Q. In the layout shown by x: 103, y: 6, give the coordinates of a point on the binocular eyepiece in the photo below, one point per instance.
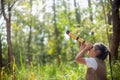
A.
x: 67, y: 32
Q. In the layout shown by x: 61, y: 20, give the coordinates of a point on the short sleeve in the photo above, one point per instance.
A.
x: 91, y: 63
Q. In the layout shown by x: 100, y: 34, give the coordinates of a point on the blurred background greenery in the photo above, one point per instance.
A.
x: 41, y: 48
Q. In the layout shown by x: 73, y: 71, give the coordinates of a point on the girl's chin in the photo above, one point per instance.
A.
x: 89, y: 55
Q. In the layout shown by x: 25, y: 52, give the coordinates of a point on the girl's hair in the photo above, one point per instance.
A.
x: 103, y: 55
x: 103, y: 49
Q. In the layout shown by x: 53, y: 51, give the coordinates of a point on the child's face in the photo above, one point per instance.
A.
x: 93, y: 52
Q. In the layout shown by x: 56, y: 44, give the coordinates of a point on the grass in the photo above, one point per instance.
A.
x: 46, y: 72
x: 68, y: 71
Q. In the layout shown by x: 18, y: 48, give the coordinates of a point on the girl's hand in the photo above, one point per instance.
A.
x: 86, y: 46
x: 83, y: 45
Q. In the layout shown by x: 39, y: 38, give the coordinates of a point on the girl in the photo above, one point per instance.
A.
x: 96, y: 69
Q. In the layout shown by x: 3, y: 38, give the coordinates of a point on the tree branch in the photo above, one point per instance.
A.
x: 3, y: 10
x: 13, y: 4
x: 111, y: 2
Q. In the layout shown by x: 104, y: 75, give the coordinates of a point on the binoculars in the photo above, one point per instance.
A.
x: 73, y: 36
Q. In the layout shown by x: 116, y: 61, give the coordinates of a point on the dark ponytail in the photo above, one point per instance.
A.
x: 110, y: 65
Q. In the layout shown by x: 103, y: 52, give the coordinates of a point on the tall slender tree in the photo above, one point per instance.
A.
x: 104, y: 12
x: 56, y: 32
x: 91, y: 17
x: 0, y: 52
x: 8, y: 30
x: 30, y: 35
x: 109, y: 14
x: 77, y: 12
x: 90, y: 10
x: 116, y: 29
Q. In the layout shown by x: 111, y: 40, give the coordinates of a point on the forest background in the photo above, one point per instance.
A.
x: 34, y: 44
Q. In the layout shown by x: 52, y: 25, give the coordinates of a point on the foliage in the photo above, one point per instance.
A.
x: 34, y: 19
x: 69, y: 71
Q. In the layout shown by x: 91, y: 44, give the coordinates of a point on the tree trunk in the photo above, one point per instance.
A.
x: 8, y: 29
x: 77, y: 13
x: 90, y: 10
x: 29, y: 44
x: 56, y: 33
x: 103, y: 7
x: 116, y: 29
x: 0, y: 53
x: 29, y: 55
x: 109, y: 21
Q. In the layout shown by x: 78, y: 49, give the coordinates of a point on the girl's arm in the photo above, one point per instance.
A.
x: 80, y: 56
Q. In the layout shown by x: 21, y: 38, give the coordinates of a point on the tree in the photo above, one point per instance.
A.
x: 90, y: 10
x: 104, y: 12
x: 30, y: 35
x: 116, y: 29
x: 109, y: 14
x: 56, y: 32
x: 77, y: 12
x: 0, y: 43
x: 0, y: 52
x: 8, y: 30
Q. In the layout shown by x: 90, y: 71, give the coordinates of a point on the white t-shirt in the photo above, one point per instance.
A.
x: 91, y: 63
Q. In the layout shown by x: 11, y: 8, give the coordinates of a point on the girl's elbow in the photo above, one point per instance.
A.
x: 80, y: 60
